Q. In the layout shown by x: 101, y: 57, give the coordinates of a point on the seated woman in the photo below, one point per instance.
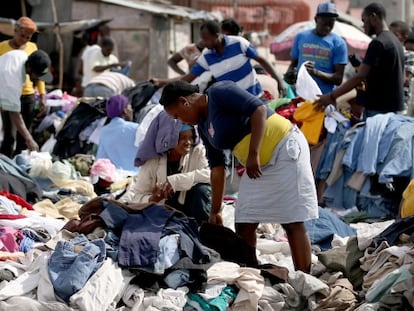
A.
x: 119, y: 129
x: 180, y: 178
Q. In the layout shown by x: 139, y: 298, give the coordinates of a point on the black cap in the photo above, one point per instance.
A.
x: 174, y: 90
x: 39, y: 63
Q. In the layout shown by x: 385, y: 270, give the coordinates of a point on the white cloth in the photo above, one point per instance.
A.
x: 35, y: 277
x: 12, y: 78
x: 101, y: 289
x: 248, y: 280
x: 166, y: 299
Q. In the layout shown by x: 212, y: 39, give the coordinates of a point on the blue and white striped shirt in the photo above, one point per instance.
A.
x: 234, y: 64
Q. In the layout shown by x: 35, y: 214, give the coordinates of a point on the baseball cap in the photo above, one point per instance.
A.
x: 39, y: 62
x: 327, y: 9
x: 26, y: 22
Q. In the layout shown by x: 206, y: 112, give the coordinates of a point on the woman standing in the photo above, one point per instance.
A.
x: 278, y: 185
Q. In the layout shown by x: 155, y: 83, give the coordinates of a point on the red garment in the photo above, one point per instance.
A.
x: 10, y: 239
x: 12, y: 217
x: 17, y: 199
x: 288, y: 110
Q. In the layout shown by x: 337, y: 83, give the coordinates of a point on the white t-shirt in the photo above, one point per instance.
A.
x: 86, y: 62
x: 96, y: 58
x: 12, y: 78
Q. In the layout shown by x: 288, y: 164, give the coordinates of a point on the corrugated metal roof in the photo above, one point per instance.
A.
x: 7, y: 25
x: 162, y: 8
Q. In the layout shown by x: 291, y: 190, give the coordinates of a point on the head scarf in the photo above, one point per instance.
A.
x: 115, y: 105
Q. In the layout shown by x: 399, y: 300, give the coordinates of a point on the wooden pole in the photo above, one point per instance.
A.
x: 23, y: 7
x: 59, y: 42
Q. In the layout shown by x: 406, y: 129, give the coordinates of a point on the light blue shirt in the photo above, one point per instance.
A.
x: 326, y: 52
x: 116, y: 143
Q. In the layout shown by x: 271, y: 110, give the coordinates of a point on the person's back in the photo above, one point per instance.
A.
x: 384, y: 87
x: 108, y: 83
x: 117, y: 138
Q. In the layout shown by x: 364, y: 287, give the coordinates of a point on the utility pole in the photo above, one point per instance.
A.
x: 235, y: 9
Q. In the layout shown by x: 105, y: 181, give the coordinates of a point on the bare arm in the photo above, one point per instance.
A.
x: 351, y: 83
x: 269, y: 69
x: 218, y: 179
x: 173, y: 63
x: 17, y: 120
x: 161, y: 82
x: 334, y: 78
x: 258, y: 119
x: 293, y: 64
x: 105, y: 67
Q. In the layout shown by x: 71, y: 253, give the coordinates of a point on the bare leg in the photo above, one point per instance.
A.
x: 299, y: 245
x: 247, y: 232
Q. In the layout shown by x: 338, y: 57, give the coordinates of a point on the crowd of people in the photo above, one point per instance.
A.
x: 218, y: 102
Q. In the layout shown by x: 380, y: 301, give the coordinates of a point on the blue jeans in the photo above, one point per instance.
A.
x: 97, y: 90
x: 73, y: 262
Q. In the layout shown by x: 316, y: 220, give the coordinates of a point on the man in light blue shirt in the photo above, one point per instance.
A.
x: 325, y: 51
x: 116, y: 141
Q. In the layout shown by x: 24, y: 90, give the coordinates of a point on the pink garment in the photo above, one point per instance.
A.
x: 10, y: 239
x: 104, y: 169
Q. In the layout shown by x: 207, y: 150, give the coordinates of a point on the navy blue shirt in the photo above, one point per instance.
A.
x: 228, y: 120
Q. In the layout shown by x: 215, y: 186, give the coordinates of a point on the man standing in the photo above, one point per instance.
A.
x: 324, y: 51
x: 228, y: 58
x: 382, y: 68
x: 14, y: 66
x: 23, y: 32
x: 401, y: 30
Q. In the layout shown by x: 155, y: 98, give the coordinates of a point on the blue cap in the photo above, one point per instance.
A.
x: 327, y: 9
x: 186, y: 127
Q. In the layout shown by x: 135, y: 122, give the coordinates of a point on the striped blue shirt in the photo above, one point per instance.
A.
x: 234, y: 64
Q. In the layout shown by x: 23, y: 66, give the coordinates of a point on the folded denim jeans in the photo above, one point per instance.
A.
x: 73, y: 262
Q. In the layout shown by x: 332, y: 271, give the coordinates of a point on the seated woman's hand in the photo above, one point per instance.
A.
x: 167, y: 190
x: 157, y: 193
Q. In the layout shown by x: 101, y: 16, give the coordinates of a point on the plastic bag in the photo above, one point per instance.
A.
x: 306, y: 86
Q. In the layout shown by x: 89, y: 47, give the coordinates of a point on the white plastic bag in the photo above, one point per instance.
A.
x: 306, y: 87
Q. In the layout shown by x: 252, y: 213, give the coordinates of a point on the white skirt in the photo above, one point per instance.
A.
x: 286, y: 191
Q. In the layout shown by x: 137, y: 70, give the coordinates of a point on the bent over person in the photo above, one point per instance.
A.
x: 14, y: 66
x: 277, y: 185
x: 23, y: 32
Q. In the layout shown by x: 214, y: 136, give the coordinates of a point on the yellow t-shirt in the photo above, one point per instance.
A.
x: 312, y: 121
x: 407, y: 208
x: 28, y: 85
x: 276, y: 128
